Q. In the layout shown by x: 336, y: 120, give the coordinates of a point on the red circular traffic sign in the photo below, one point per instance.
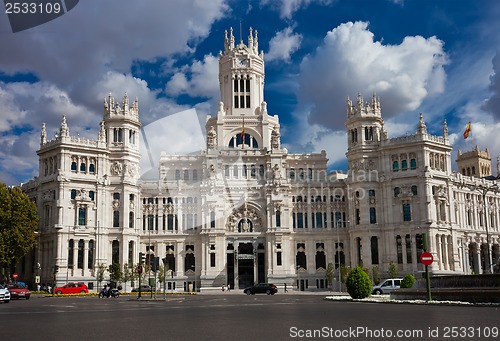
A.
x: 139, y: 269
x: 14, y: 276
x: 426, y: 258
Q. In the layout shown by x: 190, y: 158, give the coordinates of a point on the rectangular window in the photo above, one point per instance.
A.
x: 226, y: 171
x: 116, y: 218
x: 235, y: 82
x: 358, y: 217
x: 292, y: 173
x: 406, y: 212
x: 236, y: 104
x: 373, y: 215
x: 408, y: 249
x: 300, y: 220
x: 170, y: 222
x: 212, y: 260
x: 278, y: 259
x: 82, y: 216
x: 247, y: 101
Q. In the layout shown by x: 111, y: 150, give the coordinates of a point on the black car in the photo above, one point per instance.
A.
x: 261, y: 288
x: 144, y: 288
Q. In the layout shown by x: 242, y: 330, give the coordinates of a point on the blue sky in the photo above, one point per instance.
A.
x: 438, y: 57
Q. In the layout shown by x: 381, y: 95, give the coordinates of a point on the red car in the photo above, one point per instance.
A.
x: 17, y: 291
x: 72, y: 288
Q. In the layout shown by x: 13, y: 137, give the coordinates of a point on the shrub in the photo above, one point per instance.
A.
x: 358, y: 283
x: 408, y: 281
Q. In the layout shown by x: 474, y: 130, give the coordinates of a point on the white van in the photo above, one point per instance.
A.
x: 387, y: 286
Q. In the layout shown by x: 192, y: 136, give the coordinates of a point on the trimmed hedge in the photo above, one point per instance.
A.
x: 358, y: 283
x: 408, y: 281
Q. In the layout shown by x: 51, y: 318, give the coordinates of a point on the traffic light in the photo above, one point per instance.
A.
x: 142, y: 257
x: 419, y: 238
x: 56, y: 268
x: 154, y: 262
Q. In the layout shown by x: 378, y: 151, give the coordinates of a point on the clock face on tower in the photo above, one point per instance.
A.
x: 242, y: 62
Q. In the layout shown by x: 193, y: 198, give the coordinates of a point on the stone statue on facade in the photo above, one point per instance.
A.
x: 211, y: 138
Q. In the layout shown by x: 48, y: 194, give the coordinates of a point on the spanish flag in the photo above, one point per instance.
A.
x: 467, y: 131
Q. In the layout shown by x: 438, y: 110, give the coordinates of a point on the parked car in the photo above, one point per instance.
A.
x: 72, y: 288
x: 4, y: 294
x: 261, y: 288
x: 387, y: 286
x: 18, y: 291
x: 144, y: 288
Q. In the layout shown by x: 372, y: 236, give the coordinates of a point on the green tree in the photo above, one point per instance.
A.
x: 344, y: 272
x: 329, y: 275
x: 101, y: 269
x: 128, y: 274
x: 393, y: 270
x: 18, y: 223
x: 358, y: 283
x: 115, y: 273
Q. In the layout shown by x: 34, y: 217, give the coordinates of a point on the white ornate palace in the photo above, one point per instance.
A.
x: 244, y: 210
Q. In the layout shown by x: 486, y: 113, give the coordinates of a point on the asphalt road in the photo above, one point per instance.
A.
x: 240, y: 317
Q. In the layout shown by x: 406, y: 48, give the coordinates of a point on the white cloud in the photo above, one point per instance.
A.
x: 350, y: 61
x: 493, y: 103
x: 288, y: 7
x: 283, y: 45
x: 200, y: 79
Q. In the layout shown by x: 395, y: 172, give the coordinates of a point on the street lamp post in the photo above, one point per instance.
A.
x: 338, y: 263
x: 484, y: 190
x: 298, y: 277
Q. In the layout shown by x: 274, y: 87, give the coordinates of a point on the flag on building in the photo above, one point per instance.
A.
x: 467, y: 131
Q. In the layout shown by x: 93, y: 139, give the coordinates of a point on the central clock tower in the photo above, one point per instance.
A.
x: 242, y: 121
x: 241, y: 75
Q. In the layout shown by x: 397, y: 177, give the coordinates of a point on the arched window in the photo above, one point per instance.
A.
x: 115, y: 252
x: 301, y: 260
x: 404, y: 165
x: 320, y: 260
x: 90, y: 259
x: 81, y: 244
x: 245, y: 225
x: 396, y: 192
x: 413, y: 163
x: 71, y: 246
x: 374, y: 249
x: 131, y: 220
x: 395, y: 166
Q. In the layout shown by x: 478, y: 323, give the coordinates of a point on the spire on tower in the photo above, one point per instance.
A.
x: 64, y: 130
x: 43, y: 134
x: 231, y: 39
